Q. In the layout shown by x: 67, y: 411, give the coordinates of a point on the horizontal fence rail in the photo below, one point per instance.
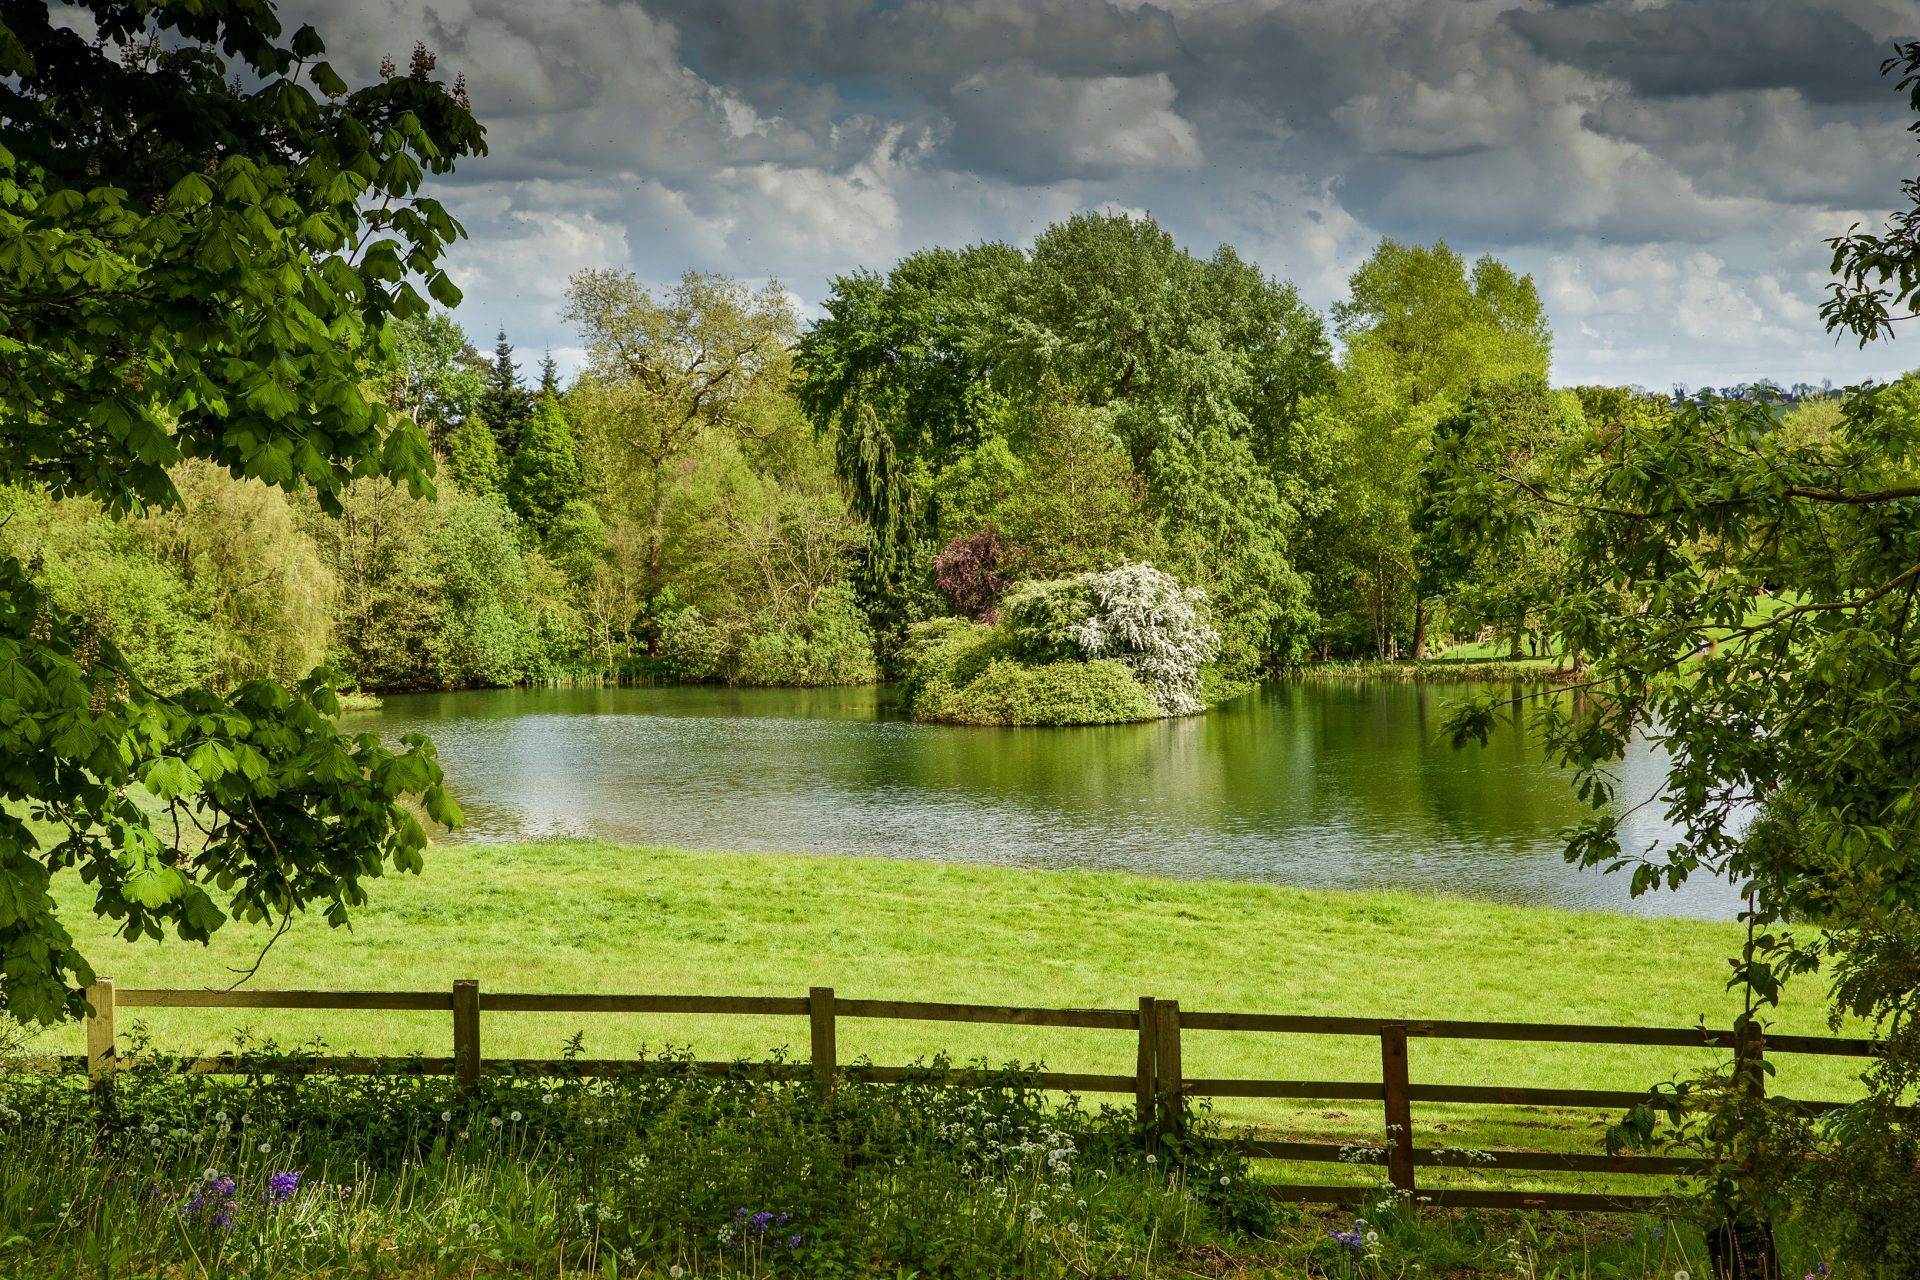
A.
x: 1158, y: 1083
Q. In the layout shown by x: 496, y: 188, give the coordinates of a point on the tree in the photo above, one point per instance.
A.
x: 199, y: 254
x: 549, y: 375
x: 1421, y: 330
x: 473, y: 458
x: 661, y: 372
x: 505, y: 404
x: 435, y: 376
x: 895, y: 376
x: 962, y: 369
x: 1745, y: 590
x: 545, y: 475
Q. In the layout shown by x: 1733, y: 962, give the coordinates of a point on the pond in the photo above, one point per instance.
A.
x: 1342, y: 785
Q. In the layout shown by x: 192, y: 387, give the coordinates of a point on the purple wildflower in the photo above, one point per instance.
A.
x: 281, y: 1187
x: 793, y: 1242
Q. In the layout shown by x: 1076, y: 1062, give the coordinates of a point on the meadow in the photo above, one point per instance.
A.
x: 576, y: 916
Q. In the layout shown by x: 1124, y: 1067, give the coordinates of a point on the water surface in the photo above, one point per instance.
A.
x: 1342, y: 785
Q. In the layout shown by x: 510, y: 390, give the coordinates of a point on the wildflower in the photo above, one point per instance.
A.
x: 1224, y: 1180
x: 265, y: 1147
x: 1153, y: 1159
x: 793, y: 1242
x: 1682, y: 1275
x: 675, y: 1271
x: 1373, y: 1239
x: 496, y: 1122
x: 153, y: 1128
x: 546, y: 1099
x: 446, y: 1117
x: 1036, y: 1213
x: 281, y: 1187
x: 220, y: 1117
x: 515, y: 1117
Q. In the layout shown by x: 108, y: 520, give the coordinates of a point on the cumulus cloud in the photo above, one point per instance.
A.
x: 1700, y: 148
x: 1035, y: 126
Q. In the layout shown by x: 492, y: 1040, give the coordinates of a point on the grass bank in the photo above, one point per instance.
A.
x: 581, y: 916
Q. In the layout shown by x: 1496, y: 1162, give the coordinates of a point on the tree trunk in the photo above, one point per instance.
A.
x: 1419, y: 628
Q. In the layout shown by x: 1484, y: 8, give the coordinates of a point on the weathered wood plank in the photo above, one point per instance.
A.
x: 590, y: 1002
x: 1566, y: 1201
x: 1331, y: 1090
x: 1527, y: 1096
x: 1065, y: 1081
x: 1397, y: 1106
x: 152, y: 998
x: 466, y: 1032
x: 1013, y: 1015
x: 824, y: 1041
x: 101, y: 1051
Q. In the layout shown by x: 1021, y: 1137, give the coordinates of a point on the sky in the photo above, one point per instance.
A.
x: 1665, y: 169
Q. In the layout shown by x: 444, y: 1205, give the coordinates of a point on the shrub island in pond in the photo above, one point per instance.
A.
x: 1120, y: 644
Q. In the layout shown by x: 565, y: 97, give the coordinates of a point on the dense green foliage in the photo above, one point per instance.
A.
x: 667, y: 1169
x: 678, y: 1174
x: 1121, y: 644
x: 1742, y: 582
x: 198, y: 255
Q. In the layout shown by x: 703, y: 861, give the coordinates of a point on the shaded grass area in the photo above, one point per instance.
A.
x: 584, y: 916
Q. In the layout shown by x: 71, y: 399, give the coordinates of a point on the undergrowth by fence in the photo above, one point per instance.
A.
x: 1158, y: 1084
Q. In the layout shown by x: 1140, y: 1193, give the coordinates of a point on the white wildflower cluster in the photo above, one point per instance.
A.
x: 1157, y: 627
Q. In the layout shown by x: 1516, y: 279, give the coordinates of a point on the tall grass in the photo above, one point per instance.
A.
x: 674, y: 1173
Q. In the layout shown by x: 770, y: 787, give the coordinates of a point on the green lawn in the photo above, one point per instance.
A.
x: 578, y: 916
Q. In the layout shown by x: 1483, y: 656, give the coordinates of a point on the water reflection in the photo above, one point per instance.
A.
x: 1341, y: 785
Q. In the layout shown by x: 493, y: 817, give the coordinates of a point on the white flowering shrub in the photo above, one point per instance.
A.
x: 1157, y: 627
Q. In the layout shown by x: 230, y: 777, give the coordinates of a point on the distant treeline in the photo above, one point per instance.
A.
x: 724, y: 494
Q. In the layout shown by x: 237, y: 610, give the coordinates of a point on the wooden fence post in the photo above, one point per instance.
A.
x: 1399, y: 1107
x: 1143, y: 1066
x: 466, y: 1033
x: 1168, y: 1082
x: 825, y: 1043
x: 101, y: 1053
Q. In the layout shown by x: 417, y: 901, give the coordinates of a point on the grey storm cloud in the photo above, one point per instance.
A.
x: 1827, y: 52
x: 1666, y: 170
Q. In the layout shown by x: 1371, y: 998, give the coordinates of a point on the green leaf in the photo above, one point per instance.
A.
x: 191, y: 192
x: 170, y: 778
x: 155, y: 885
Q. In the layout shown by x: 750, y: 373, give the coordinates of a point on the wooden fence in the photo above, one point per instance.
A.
x: 1158, y: 1083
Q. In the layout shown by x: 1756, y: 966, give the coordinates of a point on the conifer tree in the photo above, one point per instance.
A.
x: 549, y: 375
x: 473, y: 458
x: 506, y: 406
x: 545, y: 475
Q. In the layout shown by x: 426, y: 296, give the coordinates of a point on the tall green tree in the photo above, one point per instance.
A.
x: 473, y: 458
x: 1746, y: 595
x: 664, y: 371
x: 1421, y: 330
x: 435, y: 377
x: 961, y: 358
x: 545, y: 475
x: 505, y: 404
x: 204, y: 235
